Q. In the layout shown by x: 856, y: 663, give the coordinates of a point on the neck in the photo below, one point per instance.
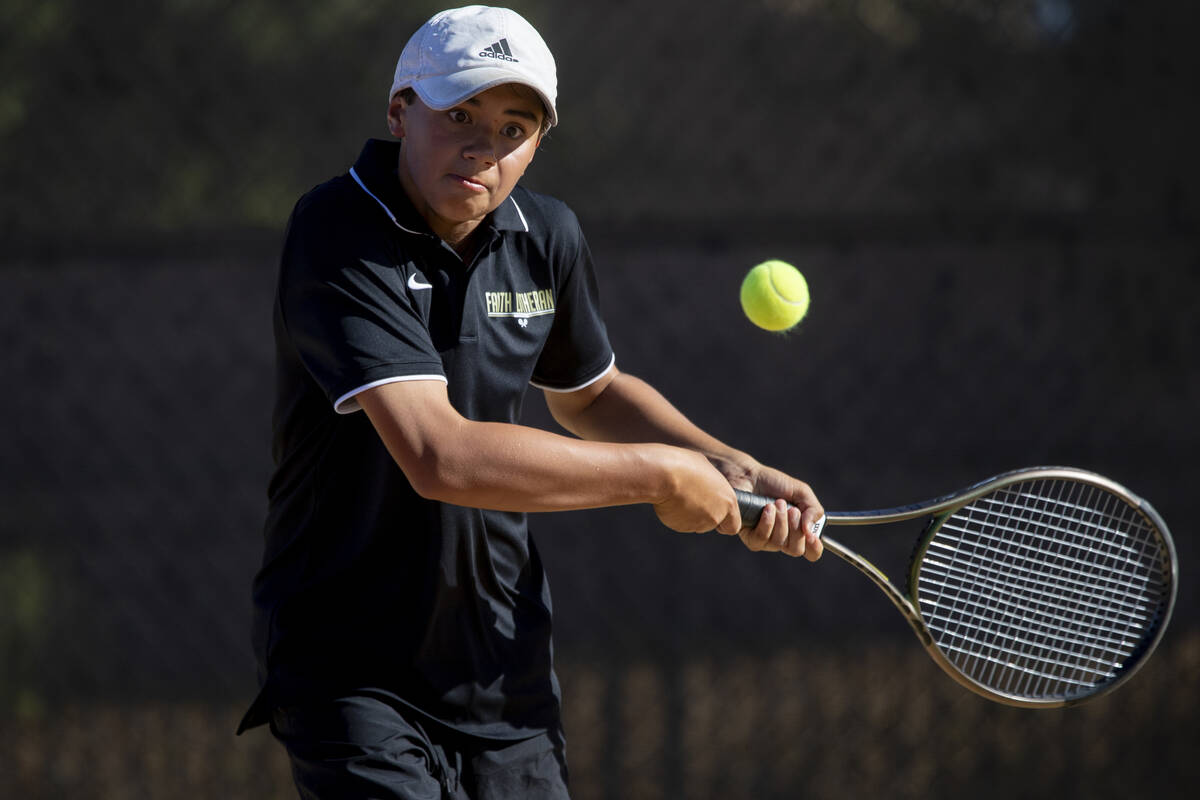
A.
x: 459, y: 235
x: 465, y: 245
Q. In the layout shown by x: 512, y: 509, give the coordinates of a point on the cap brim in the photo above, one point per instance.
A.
x: 443, y: 91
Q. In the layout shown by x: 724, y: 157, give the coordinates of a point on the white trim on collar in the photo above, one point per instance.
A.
x: 520, y: 213
x: 396, y: 222
x: 383, y: 205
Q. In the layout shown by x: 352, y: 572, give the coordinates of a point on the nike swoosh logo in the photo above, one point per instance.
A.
x: 413, y: 283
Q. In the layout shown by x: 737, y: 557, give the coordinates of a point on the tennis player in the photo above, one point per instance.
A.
x: 402, y: 616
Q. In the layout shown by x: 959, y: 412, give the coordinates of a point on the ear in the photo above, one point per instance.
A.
x: 396, y: 115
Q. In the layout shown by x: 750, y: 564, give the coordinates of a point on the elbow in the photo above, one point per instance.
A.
x: 438, y: 475
x: 428, y: 479
x: 424, y: 484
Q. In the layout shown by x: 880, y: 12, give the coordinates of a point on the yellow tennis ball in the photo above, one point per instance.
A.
x: 775, y: 295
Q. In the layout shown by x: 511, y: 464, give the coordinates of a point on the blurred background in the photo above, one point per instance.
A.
x: 996, y: 203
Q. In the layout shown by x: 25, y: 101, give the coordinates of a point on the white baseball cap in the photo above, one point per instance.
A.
x: 464, y: 51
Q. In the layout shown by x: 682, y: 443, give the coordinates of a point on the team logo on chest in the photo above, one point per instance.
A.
x: 521, y: 306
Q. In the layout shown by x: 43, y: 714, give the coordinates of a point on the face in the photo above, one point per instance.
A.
x: 459, y: 164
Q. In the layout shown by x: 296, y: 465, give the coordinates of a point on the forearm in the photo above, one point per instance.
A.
x: 627, y: 409
x: 516, y: 468
x: 630, y: 410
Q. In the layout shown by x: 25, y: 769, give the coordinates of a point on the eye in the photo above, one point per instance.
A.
x: 458, y: 115
x: 513, y: 131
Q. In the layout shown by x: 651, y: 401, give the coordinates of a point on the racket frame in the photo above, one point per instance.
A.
x: 939, y: 510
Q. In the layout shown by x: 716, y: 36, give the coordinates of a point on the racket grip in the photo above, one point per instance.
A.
x: 751, y: 507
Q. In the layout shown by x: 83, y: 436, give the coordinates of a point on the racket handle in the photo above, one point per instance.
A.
x: 752, y: 505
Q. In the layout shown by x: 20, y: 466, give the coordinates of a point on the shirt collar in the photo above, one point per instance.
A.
x: 375, y: 173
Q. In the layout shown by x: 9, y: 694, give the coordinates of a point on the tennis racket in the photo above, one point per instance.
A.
x: 1041, y: 587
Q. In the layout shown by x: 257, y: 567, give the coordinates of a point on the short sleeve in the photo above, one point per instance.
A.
x: 344, y: 306
x: 577, y: 351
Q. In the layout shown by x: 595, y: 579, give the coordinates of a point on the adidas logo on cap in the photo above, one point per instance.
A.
x: 499, y: 50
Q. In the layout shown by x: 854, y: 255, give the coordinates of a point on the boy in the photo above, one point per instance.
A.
x: 402, y: 617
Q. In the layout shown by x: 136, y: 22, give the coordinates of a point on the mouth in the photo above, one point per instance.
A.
x: 470, y: 184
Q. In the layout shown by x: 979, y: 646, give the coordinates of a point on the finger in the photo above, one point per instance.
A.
x: 796, y: 541
x: 777, y: 534
x: 759, y: 537
x: 814, y: 551
x: 778, y: 538
x: 812, y: 532
x: 732, y: 524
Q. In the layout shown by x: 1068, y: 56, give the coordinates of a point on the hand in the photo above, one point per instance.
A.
x: 696, y: 497
x: 786, y: 525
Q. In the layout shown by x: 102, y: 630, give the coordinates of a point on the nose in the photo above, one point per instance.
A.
x: 480, y: 147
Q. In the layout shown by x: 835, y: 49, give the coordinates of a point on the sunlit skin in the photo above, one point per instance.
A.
x: 458, y: 165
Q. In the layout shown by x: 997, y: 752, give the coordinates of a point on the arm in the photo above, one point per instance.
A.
x: 449, y: 458
x: 623, y: 408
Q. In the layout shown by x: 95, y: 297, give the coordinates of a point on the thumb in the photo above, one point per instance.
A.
x: 732, y: 524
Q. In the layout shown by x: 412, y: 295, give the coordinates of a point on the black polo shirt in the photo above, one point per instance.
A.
x: 365, y: 584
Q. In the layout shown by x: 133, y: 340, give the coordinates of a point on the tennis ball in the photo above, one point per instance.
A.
x: 775, y: 295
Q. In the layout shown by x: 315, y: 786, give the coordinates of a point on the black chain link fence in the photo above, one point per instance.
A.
x: 996, y: 205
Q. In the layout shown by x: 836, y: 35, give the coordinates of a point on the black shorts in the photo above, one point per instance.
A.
x: 364, y: 746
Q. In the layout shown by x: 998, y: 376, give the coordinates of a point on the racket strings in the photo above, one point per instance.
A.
x: 1048, y: 662
x: 1043, y: 589
x: 1072, y: 644
x: 1015, y: 614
